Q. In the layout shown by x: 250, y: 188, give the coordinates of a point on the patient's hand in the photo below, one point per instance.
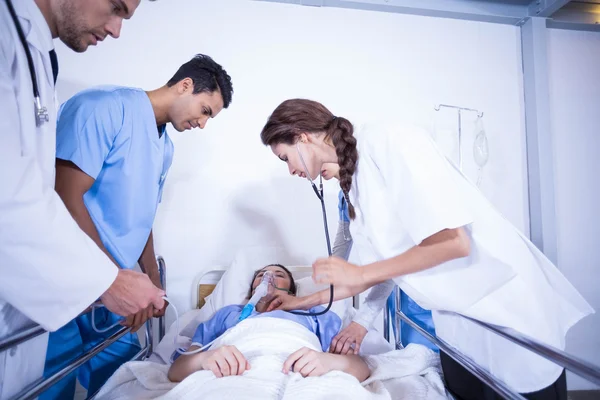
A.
x: 310, y: 363
x: 224, y: 361
x: 348, y: 341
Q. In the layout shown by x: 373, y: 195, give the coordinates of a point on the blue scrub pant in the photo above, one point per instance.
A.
x: 421, y: 316
x: 77, y: 337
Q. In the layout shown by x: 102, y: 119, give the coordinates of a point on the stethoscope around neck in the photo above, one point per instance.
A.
x: 319, y: 193
x: 41, y: 112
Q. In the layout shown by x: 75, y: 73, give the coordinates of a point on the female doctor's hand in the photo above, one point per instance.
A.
x: 337, y: 272
x: 348, y: 341
x: 283, y: 301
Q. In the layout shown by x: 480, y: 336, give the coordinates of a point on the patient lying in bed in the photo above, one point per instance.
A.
x: 228, y: 360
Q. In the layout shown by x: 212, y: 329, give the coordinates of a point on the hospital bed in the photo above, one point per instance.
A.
x: 205, y: 284
x: 28, y: 333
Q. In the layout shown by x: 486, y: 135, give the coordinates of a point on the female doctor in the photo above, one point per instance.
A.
x: 427, y: 228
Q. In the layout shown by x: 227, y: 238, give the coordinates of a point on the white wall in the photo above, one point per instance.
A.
x: 225, y: 190
x: 574, y: 74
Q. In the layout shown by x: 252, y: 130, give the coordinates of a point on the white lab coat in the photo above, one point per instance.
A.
x: 404, y: 190
x: 50, y: 271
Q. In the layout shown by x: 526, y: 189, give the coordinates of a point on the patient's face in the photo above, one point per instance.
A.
x: 282, y: 281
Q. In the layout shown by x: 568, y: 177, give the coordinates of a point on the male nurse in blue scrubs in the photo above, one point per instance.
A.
x: 113, y: 154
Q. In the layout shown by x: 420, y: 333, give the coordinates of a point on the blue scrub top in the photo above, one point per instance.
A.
x: 325, y: 326
x: 110, y: 133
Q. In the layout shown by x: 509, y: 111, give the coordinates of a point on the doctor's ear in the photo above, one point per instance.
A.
x: 303, y: 138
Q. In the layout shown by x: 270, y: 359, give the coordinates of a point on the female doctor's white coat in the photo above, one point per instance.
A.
x: 404, y: 190
x: 50, y: 271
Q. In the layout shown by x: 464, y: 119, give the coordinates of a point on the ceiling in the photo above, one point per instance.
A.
x: 578, y: 15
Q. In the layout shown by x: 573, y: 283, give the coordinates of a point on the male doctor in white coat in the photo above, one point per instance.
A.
x: 50, y: 270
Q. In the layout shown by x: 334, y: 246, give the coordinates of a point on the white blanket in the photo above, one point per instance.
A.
x: 412, y: 373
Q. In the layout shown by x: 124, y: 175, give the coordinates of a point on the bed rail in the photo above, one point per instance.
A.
x: 162, y: 270
x: 32, y: 331
x: 574, y: 364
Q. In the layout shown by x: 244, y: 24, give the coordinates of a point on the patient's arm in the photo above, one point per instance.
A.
x: 309, y: 362
x: 224, y: 361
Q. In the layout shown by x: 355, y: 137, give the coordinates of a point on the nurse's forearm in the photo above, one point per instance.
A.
x: 148, y: 262
x: 322, y: 297
x: 444, y: 246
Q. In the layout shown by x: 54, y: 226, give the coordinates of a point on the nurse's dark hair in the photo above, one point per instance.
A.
x: 296, y: 116
x: 293, y: 288
x: 207, y: 75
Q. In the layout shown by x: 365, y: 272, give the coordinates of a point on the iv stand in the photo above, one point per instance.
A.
x: 460, y: 110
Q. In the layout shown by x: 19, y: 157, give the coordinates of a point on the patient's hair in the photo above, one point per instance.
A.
x: 207, y: 75
x: 293, y: 288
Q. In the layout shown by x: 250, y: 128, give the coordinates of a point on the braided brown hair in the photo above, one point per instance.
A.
x: 296, y: 116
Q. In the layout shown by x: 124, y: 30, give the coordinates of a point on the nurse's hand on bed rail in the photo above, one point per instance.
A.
x: 159, y: 312
x: 137, y: 320
x: 348, y: 341
x: 131, y: 292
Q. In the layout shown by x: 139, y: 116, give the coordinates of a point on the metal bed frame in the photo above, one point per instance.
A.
x: 579, y: 367
x: 25, y: 334
x: 571, y: 363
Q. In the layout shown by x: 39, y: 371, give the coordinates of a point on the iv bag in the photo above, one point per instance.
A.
x: 481, y: 151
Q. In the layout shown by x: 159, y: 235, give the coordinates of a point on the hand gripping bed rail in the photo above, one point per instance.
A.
x: 574, y: 364
x: 25, y: 334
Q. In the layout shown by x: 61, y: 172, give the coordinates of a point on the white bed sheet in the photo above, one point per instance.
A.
x: 414, y: 370
x: 373, y: 344
x: 412, y: 373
